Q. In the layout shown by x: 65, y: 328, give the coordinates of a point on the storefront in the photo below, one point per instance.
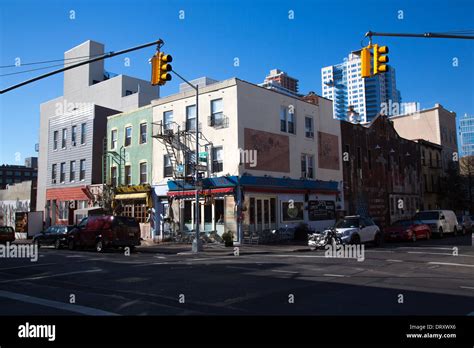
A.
x: 135, y: 201
x: 264, y: 204
x: 62, y: 202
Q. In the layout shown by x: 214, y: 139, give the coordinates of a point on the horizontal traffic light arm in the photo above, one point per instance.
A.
x: 425, y: 35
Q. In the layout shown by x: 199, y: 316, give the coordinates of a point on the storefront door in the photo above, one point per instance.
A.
x: 263, y: 211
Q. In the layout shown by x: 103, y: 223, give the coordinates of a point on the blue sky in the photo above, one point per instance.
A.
x: 213, y: 33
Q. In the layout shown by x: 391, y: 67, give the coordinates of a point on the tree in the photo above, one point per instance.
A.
x: 466, y: 169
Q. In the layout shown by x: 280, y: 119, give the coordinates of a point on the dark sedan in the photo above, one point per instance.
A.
x: 54, y: 235
x: 7, y: 234
x: 407, y: 230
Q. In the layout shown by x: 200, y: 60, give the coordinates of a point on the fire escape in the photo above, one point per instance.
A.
x: 180, y: 149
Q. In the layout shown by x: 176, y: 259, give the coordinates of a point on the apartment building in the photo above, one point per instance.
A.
x: 14, y: 174
x: 268, y: 159
x: 343, y: 83
x: 90, y: 95
x: 436, y: 125
x: 381, y: 171
x: 128, y: 160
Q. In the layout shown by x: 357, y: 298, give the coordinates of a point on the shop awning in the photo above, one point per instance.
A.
x: 142, y: 195
x: 202, y: 193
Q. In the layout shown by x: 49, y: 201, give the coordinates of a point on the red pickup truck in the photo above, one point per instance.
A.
x: 105, y: 231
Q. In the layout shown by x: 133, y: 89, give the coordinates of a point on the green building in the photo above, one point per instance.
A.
x: 128, y: 164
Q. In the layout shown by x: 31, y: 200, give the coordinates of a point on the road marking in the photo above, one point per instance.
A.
x: 49, y: 276
x: 379, y: 251
x: 333, y: 275
x: 55, y: 304
x: 394, y: 260
x: 282, y: 271
x: 448, y: 254
x: 421, y: 247
x: 470, y: 314
x: 244, y: 268
x: 35, y: 265
x: 450, y: 264
x: 467, y: 287
x: 300, y: 256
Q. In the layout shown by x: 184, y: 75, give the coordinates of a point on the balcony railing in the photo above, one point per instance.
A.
x: 218, y: 121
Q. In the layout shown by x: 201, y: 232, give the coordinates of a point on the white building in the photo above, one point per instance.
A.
x: 344, y: 84
x: 279, y: 153
x: 85, y: 87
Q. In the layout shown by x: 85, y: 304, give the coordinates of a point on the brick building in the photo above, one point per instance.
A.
x: 381, y: 171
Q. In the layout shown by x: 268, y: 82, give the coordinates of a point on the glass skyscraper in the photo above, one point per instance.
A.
x: 343, y: 84
x: 466, y: 134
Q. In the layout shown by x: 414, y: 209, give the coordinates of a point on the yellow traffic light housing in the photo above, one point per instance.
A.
x: 160, y: 68
x: 365, y: 58
x: 380, y: 59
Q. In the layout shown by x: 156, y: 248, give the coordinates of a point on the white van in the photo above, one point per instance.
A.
x: 440, y: 221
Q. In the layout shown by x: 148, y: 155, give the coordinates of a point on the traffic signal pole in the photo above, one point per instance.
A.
x: 104, y: 56
x: 197, y: 245
x: 369, y: 34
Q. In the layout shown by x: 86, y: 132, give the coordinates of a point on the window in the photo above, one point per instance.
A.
x: 62, y: 172
x: 191, y: 117
x: 167, y: 166
x: 128, y: 175
x: 17, y: 173
x: 53, y: 173
x: 82, y: 169
x: 359, y: 158
x: 217, y: 159
x: 425, y: 177
x: 128, y: 136
x: 292, y: 211
x: 73, y: 135
x: 307, y: 166
x: 308, y: 125
x: 72, y: 171
x: 143, y: 173
x: 55, y: 140
x: 113, y: 139
x: 369, y: 157
x: 291, y: 121
x: 347, y: 151
x: 83, y: 133
x: 168, y: 119
x: 113, y: 176
x: 63, y: 210
x: 64, y: 138
x: 27, y: 173
x: 143, y: 132
x: 283, y: 118
x: 217, y: 115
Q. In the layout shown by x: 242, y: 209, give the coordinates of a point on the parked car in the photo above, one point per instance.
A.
x: 54, y: 235
x: 466, y: 223
x: 7, y: 234
x: 356, y: 229
x: 439, y: 221
x: 105, y: 231
x: 407, y: 230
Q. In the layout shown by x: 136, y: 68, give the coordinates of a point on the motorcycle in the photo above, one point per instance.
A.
x: 319, y: 240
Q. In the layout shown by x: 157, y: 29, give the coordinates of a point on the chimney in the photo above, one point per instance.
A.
x: 311, y: 97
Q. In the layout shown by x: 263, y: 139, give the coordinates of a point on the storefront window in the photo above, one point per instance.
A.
x: 292, y: 211
x: 187, y: 212
x: 272, y: 210
x: 219, y: 211
x: 252, y: 210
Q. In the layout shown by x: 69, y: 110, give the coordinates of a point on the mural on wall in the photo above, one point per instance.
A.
x: 328, y: 151
x: 272, y: 150
x: 9, y: 209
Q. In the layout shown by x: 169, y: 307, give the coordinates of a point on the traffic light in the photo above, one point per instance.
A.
x: 160, y: 68
x: 365, y: 62
x: 380, y: 59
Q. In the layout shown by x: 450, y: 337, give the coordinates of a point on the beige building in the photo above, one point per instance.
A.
x: 431, y: 175
x: 436, y: 125
x: 271, y: 160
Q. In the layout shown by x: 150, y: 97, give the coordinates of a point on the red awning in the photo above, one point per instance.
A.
x: 202, y: 193
x: 67, y: 194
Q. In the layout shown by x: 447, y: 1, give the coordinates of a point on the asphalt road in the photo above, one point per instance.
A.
x: 424, y: 276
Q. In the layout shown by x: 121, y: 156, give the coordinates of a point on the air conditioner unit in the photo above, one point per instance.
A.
x: 73, y: 143
x: 53, y: 181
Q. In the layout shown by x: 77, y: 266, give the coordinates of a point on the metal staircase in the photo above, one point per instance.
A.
x: 180, y: 145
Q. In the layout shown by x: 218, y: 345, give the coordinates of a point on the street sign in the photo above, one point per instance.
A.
x: 203, y: 156
x: 180, y: 168
x: 201, y: 167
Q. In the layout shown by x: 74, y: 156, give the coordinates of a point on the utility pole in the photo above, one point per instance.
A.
x: 159, y: 42
x: 197, y: 245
